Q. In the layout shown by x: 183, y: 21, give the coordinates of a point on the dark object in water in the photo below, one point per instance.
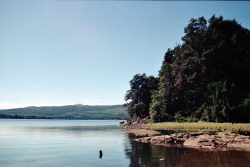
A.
x: 100, y: 154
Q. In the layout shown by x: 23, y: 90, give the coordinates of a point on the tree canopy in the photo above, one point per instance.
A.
x: 139, y: 96
x: 204, y: 78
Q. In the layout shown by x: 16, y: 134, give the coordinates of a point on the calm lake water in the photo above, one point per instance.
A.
x: 76, y: 143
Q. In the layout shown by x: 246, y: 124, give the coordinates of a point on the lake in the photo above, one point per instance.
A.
x: 75, y: 143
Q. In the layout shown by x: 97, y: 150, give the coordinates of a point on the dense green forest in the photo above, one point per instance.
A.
x: 67, y: 112
x: 207, y: 77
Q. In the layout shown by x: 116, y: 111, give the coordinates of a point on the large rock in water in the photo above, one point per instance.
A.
x: 201, y: 140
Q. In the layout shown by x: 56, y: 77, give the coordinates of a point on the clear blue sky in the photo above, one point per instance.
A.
x: 70, y: 52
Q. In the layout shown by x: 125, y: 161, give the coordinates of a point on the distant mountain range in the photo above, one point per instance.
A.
x: 78, y: 111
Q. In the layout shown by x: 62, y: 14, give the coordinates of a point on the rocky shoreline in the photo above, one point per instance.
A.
x: 201, y: 140
x: 212, y: 141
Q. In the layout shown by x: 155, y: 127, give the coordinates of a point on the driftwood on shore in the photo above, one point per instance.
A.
x: 202, y: 140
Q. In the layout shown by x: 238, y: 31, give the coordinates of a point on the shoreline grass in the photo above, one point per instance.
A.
x: 199, y: 125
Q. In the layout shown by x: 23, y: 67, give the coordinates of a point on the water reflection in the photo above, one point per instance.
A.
x: 60, y: 143
x: 218, y: 159
x: 142, y: 154
x: 145, y: 155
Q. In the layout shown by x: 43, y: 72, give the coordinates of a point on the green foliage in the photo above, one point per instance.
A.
x: 151, y: 120
x: 243, y: 109
x: 217, y: 106
x: 138, y: 98
x: 207, y: 77
x: 245, y: 105
x: 187, y: 119
x: 191, y: 119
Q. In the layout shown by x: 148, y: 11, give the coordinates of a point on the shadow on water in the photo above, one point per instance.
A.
x: 144, y: 155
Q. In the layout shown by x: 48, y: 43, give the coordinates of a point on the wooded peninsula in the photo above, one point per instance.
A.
x: 206, y: 78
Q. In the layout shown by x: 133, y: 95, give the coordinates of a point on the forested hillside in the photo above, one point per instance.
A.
x: 207, y: 77
x: 67, y: 112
